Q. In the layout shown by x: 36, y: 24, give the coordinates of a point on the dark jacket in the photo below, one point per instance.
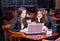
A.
x: 16, y: 25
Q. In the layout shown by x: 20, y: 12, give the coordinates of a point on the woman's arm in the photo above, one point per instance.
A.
x: 14, y: 26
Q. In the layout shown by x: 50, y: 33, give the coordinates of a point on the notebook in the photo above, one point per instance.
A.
x: 35, y: 28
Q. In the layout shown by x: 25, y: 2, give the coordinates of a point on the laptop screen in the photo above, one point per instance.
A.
x: 35, y: 28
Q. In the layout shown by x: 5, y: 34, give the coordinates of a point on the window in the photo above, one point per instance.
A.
x: 29, y: 2
x: 11, y: 2
x: 19, y: 2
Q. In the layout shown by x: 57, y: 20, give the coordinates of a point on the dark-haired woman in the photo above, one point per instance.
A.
x: 19, y: 22
x: 47, y: 20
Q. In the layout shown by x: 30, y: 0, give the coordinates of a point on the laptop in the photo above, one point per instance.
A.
x: 35, y: 28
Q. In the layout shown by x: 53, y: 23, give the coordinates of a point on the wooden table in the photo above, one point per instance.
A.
x: 37, y: 37
x: 58, y: 39
x: 32, y: 37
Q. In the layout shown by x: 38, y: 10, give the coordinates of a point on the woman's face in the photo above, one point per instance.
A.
x: 23, y: 14
x: 39, y: 14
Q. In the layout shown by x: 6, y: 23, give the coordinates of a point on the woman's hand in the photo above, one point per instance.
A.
x: 24, y: 30
x: 45, y: 28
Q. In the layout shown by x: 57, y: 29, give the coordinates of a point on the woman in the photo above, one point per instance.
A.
x: 47, y: 20
x: 41, y: 18
x: 40, y: 15
x: 19, y: 22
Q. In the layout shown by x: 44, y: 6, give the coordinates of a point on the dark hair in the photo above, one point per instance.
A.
x: 44, y: 16
x: 19, y: 11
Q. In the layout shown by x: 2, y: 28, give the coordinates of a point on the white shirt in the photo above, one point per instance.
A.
x: 39, y: 20
x: 22, y: 26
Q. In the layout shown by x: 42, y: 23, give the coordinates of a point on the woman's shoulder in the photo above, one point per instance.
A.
x: 15, y: 19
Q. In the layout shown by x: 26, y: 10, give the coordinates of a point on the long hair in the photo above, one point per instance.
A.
x: 19, y: 12
x: 44, y: 15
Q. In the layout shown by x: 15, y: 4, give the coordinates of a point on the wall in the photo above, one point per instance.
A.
x: 57, y: 5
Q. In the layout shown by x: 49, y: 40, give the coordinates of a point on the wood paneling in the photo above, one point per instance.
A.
x: 57, y: 5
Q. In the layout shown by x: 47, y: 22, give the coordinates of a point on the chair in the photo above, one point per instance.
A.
x: 16, y: 35
x: 5, y: 28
